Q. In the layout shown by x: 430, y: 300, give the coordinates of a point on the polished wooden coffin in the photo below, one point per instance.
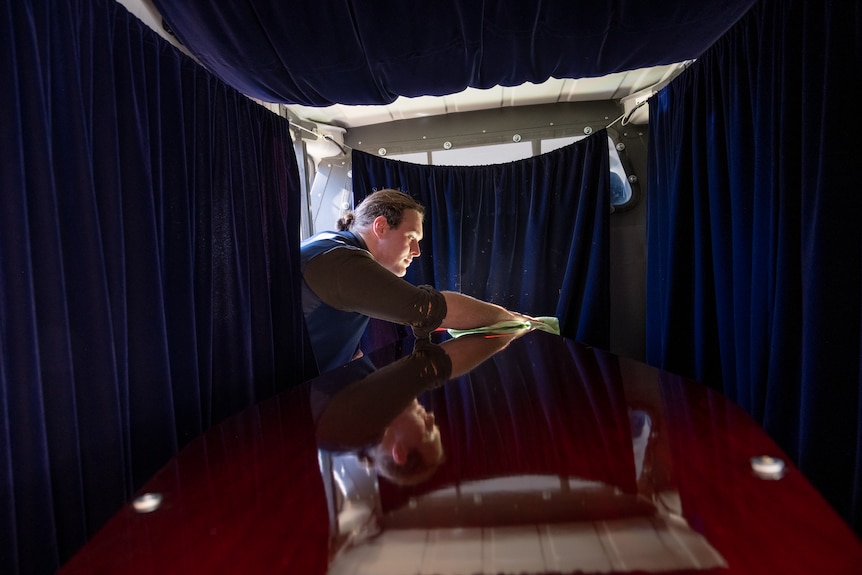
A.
x: 554, y: 458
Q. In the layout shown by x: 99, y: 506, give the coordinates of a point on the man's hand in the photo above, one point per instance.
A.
x: 465, y: 312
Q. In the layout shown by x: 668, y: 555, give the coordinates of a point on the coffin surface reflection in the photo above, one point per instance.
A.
x: 530, y: 454
x: 523, y: 516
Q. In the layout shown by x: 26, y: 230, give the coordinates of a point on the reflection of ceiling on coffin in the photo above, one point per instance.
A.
x: 526, y: 524
x: 642, y: 545
x: 517, y: 501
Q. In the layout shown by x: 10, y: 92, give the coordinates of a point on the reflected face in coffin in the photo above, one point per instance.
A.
x: 396, y: 247
x: 414, y: 429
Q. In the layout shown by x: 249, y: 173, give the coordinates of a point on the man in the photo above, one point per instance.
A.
x: 355, y: 273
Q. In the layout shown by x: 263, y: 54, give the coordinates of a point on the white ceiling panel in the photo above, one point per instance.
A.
x: 612, y: 87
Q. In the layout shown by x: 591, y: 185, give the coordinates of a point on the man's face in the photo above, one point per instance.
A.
x: 396, y: 247
x: 418, y: 430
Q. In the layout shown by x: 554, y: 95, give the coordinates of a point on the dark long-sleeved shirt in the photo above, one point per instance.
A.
x: 343, y: 286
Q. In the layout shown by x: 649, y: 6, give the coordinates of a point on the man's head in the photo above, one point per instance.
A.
x: 390, y: 223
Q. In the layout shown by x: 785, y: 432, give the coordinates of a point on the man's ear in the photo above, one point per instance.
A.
x: 379, y: 226
x: 399, y: 452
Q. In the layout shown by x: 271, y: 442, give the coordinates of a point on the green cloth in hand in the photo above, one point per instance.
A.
x: 543, y: 323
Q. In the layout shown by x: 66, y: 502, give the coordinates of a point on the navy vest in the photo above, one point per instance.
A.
x: 334, y: 334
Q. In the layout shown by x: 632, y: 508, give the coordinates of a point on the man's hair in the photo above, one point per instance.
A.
x: 387, y: 203
x: 413, y: 471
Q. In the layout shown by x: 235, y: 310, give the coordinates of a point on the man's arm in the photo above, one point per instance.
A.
x: 465, y: 312
x: 352, y: 280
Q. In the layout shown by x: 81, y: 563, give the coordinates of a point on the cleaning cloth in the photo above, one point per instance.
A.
x: 543, y: 323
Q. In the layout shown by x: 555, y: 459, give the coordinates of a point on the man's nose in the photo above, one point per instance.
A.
x: 414, y: 249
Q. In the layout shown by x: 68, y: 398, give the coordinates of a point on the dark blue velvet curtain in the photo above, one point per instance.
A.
x: 322, y: 52
x: 148, y: 278
x: 755, y: 251
x: 530, y: 235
